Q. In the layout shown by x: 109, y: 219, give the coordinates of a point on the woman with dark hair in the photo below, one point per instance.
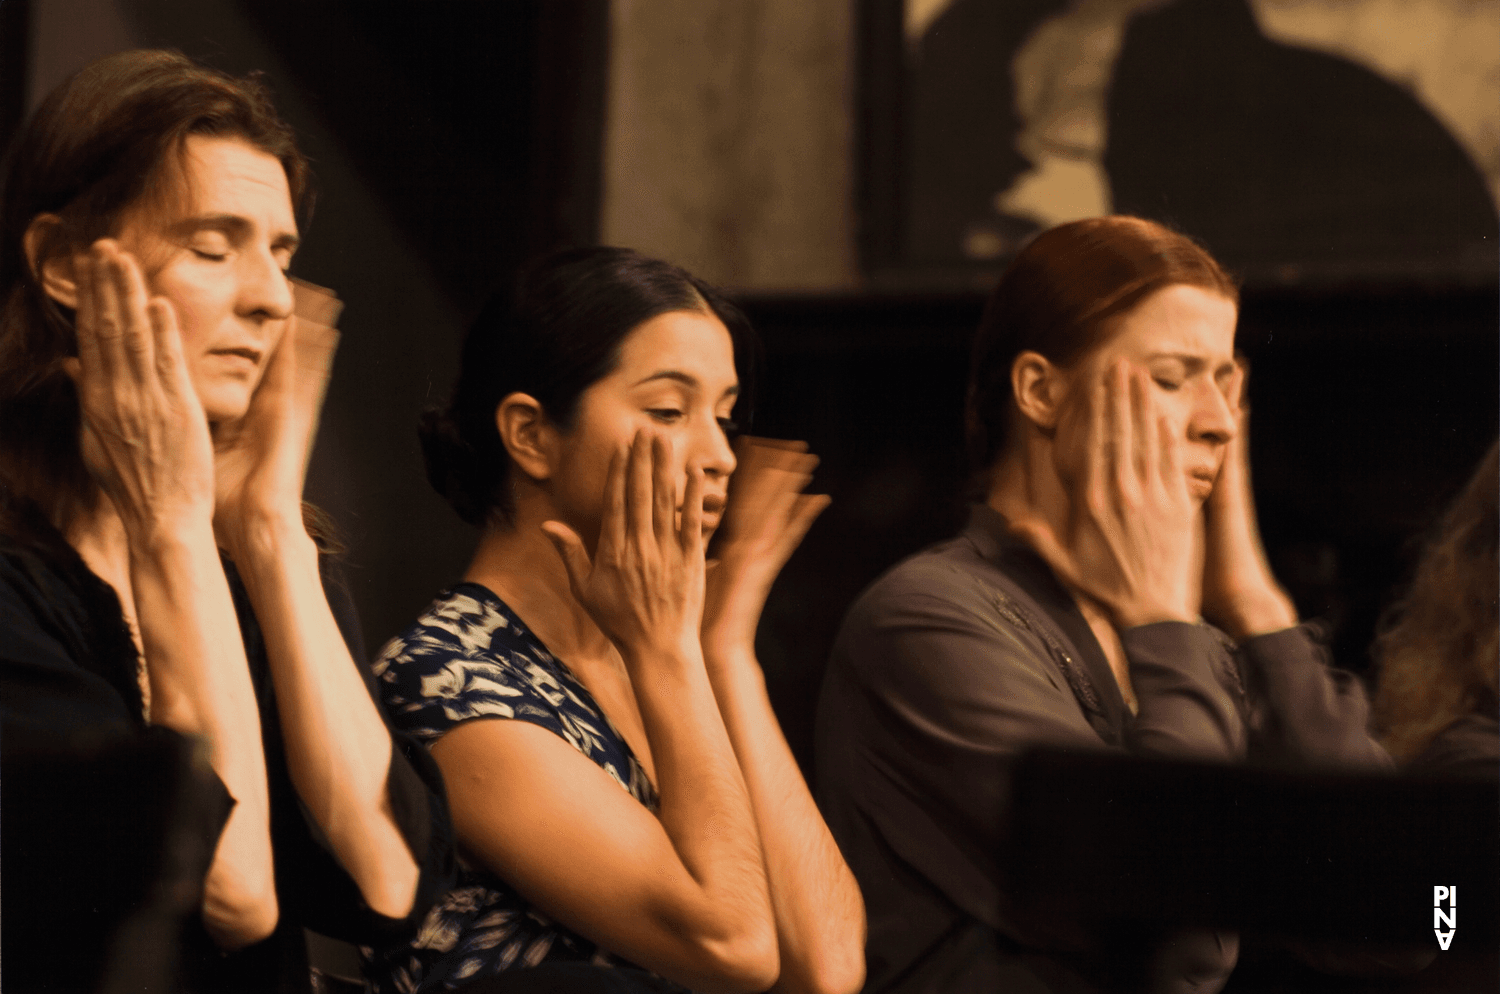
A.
x: 1436, y: 700
x: 158, y: 400
x: 1104, y: 425
x: 620, y: 787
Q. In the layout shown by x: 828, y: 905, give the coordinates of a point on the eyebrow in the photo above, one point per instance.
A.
x: 686, y: 379
x: 234, y: 226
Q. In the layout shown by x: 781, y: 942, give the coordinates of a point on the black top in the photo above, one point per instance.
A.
x: 68, y: 686
x: 970, y: 652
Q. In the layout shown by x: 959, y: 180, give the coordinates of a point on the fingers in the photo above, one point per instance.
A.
x: 1145, y: 439
x: 638, y: 479
x: 570, y: 550
x: 119, y: 329
x: 692, y: 515
x: 612, y: 526
x: 314, y: 332
x: 804, y: 513
x: 317, y: 304
x: 663, y: 489
x: 166, y: 342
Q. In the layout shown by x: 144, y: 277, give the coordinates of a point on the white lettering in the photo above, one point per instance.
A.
x: 1444, y: 938
x: 1441, y: 918
x: 1439, y: 895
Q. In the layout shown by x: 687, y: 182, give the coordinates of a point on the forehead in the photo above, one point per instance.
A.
x: 685, y: 341
x: 227, y: 176
x: 1177, y: 319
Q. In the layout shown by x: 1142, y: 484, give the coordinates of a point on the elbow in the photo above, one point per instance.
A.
x: 841, y: 971
x: 742, y: 963
x: 240, y: 916
x: 835, y: 966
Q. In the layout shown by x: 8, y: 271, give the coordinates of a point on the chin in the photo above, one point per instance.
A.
x: 224, y: 406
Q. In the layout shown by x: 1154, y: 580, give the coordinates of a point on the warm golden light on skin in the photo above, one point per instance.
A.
x: 1183, y: 336
x: 675, y: 377
x: 218, y: 254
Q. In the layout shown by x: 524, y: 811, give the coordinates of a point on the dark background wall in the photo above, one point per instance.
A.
x: 454, y: 139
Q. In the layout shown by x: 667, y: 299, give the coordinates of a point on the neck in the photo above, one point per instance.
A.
x: 1025, y: 485
x: 518, y: 562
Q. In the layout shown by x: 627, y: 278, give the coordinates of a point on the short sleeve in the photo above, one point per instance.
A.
x: 455, y: 665
x: 468, y: 657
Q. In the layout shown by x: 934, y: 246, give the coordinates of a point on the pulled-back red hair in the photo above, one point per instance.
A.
x: 1055, y: 298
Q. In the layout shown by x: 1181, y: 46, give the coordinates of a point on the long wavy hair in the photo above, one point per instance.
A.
x: 1439, y: 647
x: 102, y: 142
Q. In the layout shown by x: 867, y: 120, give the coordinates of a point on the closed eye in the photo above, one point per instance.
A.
x: 211, y: 256
x: 729, y: 427
x: 1167, y: 384
x: 666, y: 415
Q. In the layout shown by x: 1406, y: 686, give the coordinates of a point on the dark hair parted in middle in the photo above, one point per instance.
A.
x: 1055, y: 298
x: 556, y: 335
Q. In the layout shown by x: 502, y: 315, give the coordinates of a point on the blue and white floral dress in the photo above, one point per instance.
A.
x: 469, y: 657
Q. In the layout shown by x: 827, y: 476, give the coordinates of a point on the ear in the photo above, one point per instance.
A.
x: 1038, y: 386
x: 52, y: 268
x: 528, y: 434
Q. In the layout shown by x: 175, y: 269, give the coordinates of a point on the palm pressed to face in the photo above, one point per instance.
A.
x: 218, y: 252
x: 1183, y: 337
x: 676, y: 378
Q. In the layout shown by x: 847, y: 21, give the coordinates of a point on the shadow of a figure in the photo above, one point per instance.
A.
x: 1271, y: 152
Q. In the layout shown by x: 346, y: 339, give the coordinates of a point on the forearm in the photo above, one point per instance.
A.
x: 820, y: 919
x: 338, y: 749
x: 1305, y: 710
x: 200, y: 685
x: 704, y: 805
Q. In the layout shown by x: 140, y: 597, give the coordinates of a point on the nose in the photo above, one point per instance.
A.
x: 712, y: 452
x: 265, y: 291
x: 1212, y: 419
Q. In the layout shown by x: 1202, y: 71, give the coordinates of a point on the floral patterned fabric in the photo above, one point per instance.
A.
x: 469, y: 657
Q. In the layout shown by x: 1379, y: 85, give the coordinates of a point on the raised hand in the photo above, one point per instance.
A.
x: 765, y: 519
x: 261, y: 461
x: 144, y: 436
x: 643, y: 586
x: 1128, y: 541
x: 1239, y: 592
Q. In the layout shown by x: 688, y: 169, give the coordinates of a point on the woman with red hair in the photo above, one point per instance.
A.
x: 1104, y: 424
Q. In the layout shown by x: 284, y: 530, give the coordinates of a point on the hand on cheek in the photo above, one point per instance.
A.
x: 1128, y: 540
x: 144, y: 436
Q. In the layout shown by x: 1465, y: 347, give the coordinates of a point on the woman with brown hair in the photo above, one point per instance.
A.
x: 158, y: 400
x: 1104, y: 423
x: 631, y: 815
x: 1436, y: 700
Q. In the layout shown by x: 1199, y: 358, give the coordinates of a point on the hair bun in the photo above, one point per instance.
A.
x: 450, y: 462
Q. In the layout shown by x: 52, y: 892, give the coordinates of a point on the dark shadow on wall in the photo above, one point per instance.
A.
x: 1289, y: 163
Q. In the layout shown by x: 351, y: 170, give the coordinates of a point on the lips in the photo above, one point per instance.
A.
x: 1203, y: 480
x: 250, y: 354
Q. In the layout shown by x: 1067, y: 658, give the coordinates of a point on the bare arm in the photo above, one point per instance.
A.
x: 146, y: 442
x: 820, y: 918
x: 684, y: 894
x: 338, y: 747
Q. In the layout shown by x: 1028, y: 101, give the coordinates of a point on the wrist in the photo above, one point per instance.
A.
x: 1136, y: 614
x: 166, y: 538
x: 1259, y: 614
x: 267, y: 535
x: 646, y: 656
